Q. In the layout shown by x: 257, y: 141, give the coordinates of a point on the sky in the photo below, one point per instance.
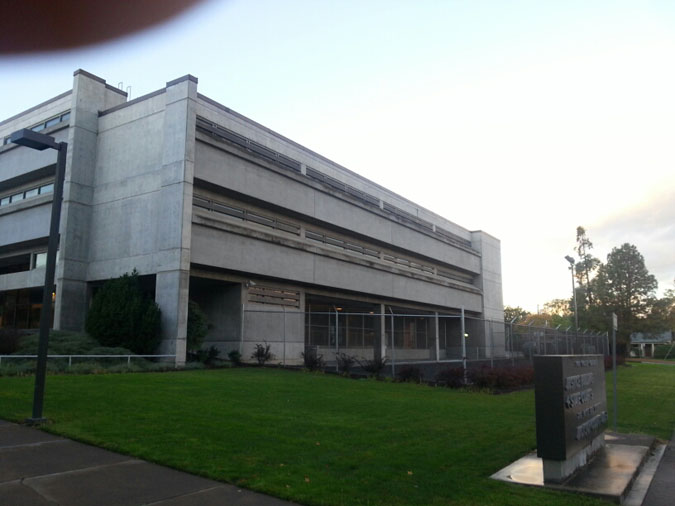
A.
x: 524, y: 119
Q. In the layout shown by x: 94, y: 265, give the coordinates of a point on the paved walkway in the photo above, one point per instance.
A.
x: 661, y: 492
x: 38, y: 469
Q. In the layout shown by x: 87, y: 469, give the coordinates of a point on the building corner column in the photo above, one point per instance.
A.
x: 90, y: 95
x: 173, y: 271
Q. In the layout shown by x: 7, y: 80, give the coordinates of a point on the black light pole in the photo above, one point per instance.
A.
x: 35, y: 140
x: 574, y: 295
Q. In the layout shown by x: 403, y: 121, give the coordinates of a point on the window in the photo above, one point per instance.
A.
x: 40, y: 260
x: 46, y: 188
x: 32, y: 192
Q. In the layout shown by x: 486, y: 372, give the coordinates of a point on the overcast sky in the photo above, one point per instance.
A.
x: 524, y: 119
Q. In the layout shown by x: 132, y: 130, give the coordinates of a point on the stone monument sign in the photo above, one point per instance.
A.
x: 571, y: 410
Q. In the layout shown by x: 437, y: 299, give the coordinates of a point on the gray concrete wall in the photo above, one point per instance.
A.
x: 175, y: 198
x: 25, y: 221
x: 223, y: 249
x: 291, y: 193
x: 89, y: 96
x: 490, y: 280
x: 222, y: 304
x: 238, y: 123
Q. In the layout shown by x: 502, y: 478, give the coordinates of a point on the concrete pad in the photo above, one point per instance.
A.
x: 16, y: 435
x: 14, y: 493
x: 611, y: 472
x: 224, y: 494
x: 125, y: 484
x: 609, y: 475
x: 58, y: 456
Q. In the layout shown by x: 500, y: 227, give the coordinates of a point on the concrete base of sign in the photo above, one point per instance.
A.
x: 557, y: 471
x: 609, y: 475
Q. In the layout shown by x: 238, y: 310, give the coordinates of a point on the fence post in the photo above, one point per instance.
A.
x: 463, y: 338
x: 438, y: 346
x: 70, y: 361
x: 337, y: 340
x: 128, y: 360
x: 284, y: 308
x: 241, y: 330
x: 393, y: 345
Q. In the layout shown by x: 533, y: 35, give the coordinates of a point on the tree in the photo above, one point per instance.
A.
x: 561, y: 312
x: 122, y: 314
x: 514, y: 312
x: 197, y: 326
x: 662, y: 313
x: 624, y: 286
x: 586, y: 265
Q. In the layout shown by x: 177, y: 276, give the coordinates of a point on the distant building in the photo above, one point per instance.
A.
x: 266, y: 235
x: 640, y: 340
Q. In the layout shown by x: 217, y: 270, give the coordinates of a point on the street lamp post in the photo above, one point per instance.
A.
x: 35, y: 140
x: 574, y: 295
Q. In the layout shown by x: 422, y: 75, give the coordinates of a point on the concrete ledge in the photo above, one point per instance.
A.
x: 609, y: 475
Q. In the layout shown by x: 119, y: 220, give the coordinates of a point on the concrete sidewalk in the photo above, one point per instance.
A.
x: 661, y: 491
x: 38, y: 469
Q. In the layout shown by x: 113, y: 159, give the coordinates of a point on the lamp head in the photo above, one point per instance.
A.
x: 570, y: 259
x: 33, y: 140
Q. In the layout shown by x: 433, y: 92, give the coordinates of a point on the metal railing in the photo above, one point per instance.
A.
x: 71, y: 357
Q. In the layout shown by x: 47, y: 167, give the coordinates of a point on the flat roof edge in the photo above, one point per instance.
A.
x: 323, y: 158
x: 36, y: 107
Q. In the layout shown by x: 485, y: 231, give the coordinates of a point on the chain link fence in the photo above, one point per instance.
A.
x: 402, y: 338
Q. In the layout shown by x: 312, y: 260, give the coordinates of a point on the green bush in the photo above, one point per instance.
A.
x: 121, y: 314
x: 235, y: 357
x: 662, y: 350
x: 60, y: 343
x: 9, y: 340
x: 262, y: 353
x: 197, y: 326
x: 373, y: 366
x: 312, y: 360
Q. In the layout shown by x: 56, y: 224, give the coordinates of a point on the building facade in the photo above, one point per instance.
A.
x: 269, y: 237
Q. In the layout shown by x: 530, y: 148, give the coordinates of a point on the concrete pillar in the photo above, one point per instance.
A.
x: 90, y: 95
x: 173, y: 272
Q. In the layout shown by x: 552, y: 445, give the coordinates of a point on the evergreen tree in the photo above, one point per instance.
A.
x: 121, y: 314
x: 585, y: 267
x: 624, y: 286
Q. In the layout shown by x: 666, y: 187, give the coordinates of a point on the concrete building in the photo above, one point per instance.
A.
x: 270, y: 238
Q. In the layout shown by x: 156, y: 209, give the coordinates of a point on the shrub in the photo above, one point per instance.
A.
x: 452, y: 377
x: 501, y: 377
x: 121, y: 314
x: 313, y: 361
x: 197, y: 326
x: 373, y: 366
x: 410, y: 373
x: 9, y: 340
x: 262, y: 353
x: 60, y: 343
x: 345, y: 362
x: 109, y: 350
x: 208, y: 356
x: 235, y: 357
x: 661, y: 351
x: 609, y: 363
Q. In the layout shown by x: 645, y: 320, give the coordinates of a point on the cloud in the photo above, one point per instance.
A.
x: 650, y: 226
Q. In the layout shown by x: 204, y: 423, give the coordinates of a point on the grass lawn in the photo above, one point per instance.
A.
x: 321, y: 439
